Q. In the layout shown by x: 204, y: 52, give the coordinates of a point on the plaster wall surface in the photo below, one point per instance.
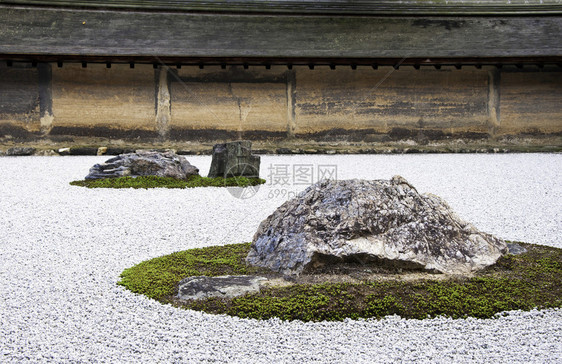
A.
x: 96, y: 96
x: 367, y: 99
x: 19, y: 96
x: 222, y: 103
x: 201, y: 100
x: 531, y: 102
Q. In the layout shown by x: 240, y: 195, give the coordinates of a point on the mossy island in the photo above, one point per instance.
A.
x: 233, y: 165
x: 516, y: 282
x: 169, y: 182
x: 318, y: 257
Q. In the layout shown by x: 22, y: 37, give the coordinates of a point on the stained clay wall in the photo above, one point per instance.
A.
x: 258, y: 103
x: 233, y: 100
x: 19, y: 96
x: 119, y: 97
x: 384, y: 99
x: 530, y: 101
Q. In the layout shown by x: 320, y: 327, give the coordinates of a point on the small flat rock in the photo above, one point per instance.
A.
x: 200, y: 287
x: 515, y: 249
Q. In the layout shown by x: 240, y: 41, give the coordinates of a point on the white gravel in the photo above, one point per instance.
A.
x: 62, y: 249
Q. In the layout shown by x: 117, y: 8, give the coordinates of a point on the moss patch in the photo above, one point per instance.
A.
x: 158, y: 278
x: 168, y: 182
x: 522, y: 282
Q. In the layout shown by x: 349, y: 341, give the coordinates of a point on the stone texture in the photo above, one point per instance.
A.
x: 378, y: 222
x: 64, y: 151
x: 144, y: 163
x: 194, y: 288
x: 84, y: 151
x: 20, y: 151
x: 515, y: 249
x: 234, y: 159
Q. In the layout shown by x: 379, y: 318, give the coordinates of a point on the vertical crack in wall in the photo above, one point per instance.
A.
x: 494, y: 78
x: 291, y: 100
x: 245, y: 107
x: 46, y: 117
x: 239, y: 131
x: 163, y: 103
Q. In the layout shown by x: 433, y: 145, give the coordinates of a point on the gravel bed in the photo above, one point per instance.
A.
x: 63, y: 247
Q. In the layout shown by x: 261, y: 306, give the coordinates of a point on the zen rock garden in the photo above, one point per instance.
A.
x: 333, y: 232
x: 359, y: 225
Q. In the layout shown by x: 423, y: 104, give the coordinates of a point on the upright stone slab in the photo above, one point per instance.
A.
x: 234, y: 159
x: 219, y: 161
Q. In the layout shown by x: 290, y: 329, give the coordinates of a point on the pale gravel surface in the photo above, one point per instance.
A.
x: 62, y: 249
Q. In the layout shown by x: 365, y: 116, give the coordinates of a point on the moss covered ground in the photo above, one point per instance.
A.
x: 168, y: 182
x: 516, y: 282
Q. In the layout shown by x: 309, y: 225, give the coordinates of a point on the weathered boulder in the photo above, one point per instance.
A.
x: 234, y: 159
x: 195, y: 288
x: 144, y: 163
x: 378, y: 222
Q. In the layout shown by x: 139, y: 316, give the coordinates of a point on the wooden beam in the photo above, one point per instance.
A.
x: 101, y: 33
x: 335, y: 7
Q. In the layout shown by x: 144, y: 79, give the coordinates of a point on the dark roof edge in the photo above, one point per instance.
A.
x: 320, y: 7
x: 291, y: 61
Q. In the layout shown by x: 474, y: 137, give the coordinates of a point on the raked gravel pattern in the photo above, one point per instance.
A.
x: 62, y: 249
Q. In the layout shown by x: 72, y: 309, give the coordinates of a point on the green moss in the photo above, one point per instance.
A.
x: 526, y: 281
x: 168, y: 182
x: 158, y: 277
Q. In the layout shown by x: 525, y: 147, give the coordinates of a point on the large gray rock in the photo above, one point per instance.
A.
x: 234, y: 159
x: 144, y: 163
x: 381, y: 221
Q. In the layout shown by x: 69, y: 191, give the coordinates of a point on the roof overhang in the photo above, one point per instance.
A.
x: 41, y: 33
x: 319, y: 7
